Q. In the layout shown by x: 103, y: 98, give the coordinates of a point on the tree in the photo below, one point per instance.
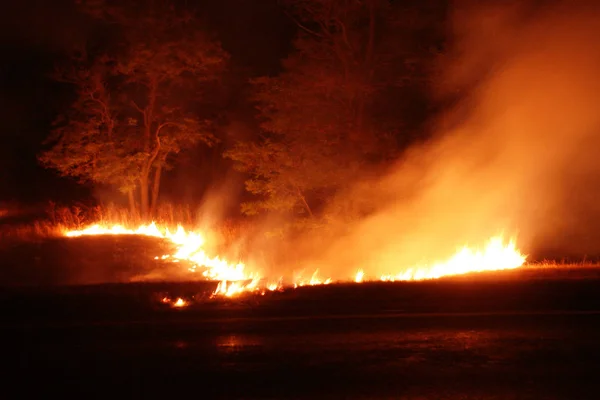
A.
x: 138, y: 104
x: 318, y: 133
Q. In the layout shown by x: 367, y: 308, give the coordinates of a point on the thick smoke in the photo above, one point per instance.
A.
x: 518, y: 155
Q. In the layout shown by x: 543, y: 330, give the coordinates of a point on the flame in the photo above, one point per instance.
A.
x: 189, y: 247
x: 180, y: 303
x: 496, y: 256
x: 235, y: 279
x: 313, y: 281
x: 360, y: 274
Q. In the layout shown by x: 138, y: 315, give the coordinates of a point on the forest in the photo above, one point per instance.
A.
x: 153, y: 86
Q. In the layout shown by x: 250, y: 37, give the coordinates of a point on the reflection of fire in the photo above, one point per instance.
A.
x: 235, y: 279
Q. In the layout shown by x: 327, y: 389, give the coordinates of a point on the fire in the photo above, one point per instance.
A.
x: 235, y: 279
x: 189, y: 247
x: 179, y: 303
x: 230, y: 289
x: 313, y: 281
x: 360, y: 274
x: 496, y: 256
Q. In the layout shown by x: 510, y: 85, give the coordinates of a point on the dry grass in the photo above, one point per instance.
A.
x: 564, y: 264
x: 30, y: 232
x: 77, y: 216
x: 60, y: 218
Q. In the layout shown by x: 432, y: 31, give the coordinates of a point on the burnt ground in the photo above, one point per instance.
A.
x: 527, y: 334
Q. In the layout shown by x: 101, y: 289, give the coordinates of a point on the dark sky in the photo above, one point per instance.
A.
x: 34, y: 34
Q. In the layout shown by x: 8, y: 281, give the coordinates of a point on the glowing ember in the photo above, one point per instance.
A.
x: 234, y: 279
x: 180, y: 303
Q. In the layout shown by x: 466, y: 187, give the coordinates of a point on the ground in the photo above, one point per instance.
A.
x: 525, y: 334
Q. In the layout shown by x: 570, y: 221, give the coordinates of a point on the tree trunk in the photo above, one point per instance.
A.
x: 367, y: 71
x: 144, y: 195
x: 148, y: 120
x: 155, y: 188
x: 149, y: 114
x: 131, y: 199
x: 304, y: 202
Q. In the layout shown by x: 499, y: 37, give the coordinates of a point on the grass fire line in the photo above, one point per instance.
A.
x: 236, y: 278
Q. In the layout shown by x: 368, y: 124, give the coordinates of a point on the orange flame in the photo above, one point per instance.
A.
x: 234, y: 279
x: 496, y: 256
x: 180, y: 303
x: 189, y: 247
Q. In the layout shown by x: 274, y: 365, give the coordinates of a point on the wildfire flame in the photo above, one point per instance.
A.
x: 189, y: 247
x: 496, y: 256
x: 360, y: 274
x: 235, y: 279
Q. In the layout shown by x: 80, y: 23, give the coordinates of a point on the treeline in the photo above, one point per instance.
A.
x: 351, y: 94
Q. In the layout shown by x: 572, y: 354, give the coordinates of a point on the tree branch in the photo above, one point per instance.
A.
x: 301, y: 26
x: 344, y: 34
x: 157, y: 136
x: 134, y: 104
x: 303, y: 199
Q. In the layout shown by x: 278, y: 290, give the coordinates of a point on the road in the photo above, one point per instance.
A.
x: 511, y: 339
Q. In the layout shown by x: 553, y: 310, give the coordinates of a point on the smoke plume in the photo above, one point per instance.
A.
x: 517, y: 156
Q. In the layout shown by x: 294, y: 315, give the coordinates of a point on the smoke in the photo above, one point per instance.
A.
x: 517, y: 156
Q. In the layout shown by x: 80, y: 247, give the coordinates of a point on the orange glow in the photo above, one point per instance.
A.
x: 180, y: 303
x: 313, y: 281
x: 189, y: 247
x: 359, y: 276
x: 496, y: 256
x: 235, y: 279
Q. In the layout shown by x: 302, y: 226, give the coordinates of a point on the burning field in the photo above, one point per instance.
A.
x: 237, y: 278
x: 363, y: 190
x: 439, y: 210
x: 503, y: 173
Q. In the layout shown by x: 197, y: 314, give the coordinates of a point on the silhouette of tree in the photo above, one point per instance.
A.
x: 318, y: 116
x: 137, y: 103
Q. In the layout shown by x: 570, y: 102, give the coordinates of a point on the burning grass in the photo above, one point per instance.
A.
x: 181, y: 253
x: 237, y: 278
x: 58, y: 219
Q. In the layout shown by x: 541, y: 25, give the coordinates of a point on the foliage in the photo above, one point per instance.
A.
x: 137, y: 103
x: 87, y: 139
x: 320, y: 117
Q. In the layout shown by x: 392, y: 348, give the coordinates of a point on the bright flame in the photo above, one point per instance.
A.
x: 495, y: 257
x: 188, y: 248
x: 180, y: 303
x: 234, y: 279
x: 359, y: 276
